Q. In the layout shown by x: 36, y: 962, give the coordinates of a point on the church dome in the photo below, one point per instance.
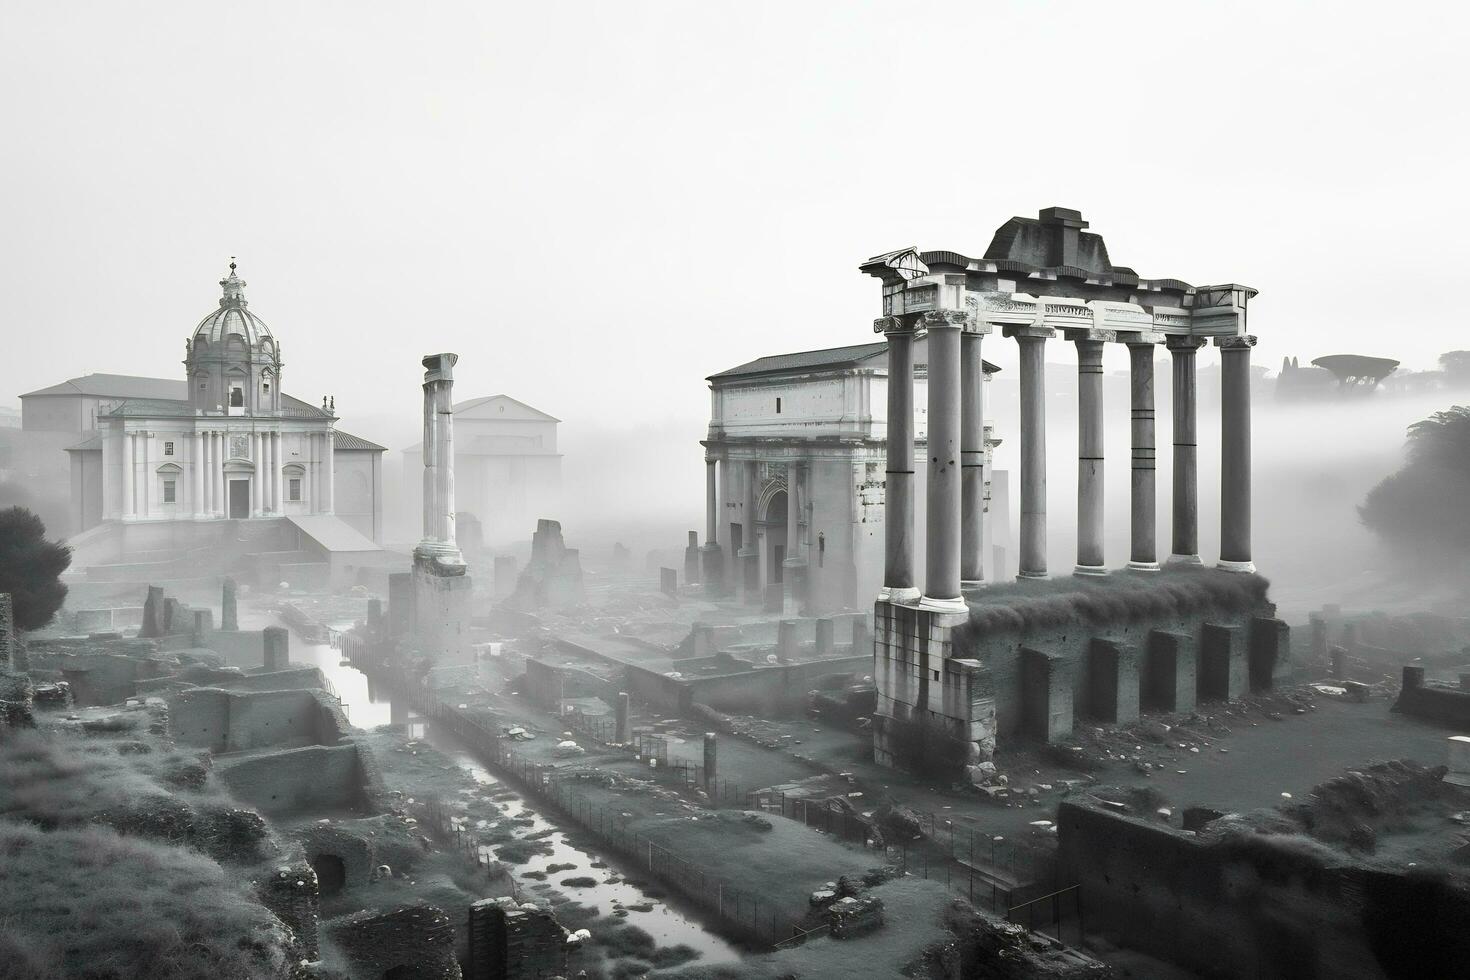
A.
x: 233, y: 318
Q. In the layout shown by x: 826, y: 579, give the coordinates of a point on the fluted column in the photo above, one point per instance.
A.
x: 221, y: 488
x: 1032, y: 341
x: 1143, y: 551
x: 142, y: 483
x: 1235, y: 453
x: 1185, y: 546
x: 1090, y: 461
x: 972, y: 460
x: 257, y: 476
x: 943, y: 509
x: 280, y: 475
x: 898, y: 499
x: 129, y: 474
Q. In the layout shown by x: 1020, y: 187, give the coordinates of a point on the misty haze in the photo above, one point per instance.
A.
x: 708, y: 491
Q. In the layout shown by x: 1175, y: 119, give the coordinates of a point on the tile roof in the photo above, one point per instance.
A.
x: 348, y: 441
x: 117, y: 386
x: 804, y: 360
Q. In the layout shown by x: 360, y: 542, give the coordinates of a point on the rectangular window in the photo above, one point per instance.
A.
x: 168, y: 490
x: 168, y: 449
x: 778, y: 406
x: 295, y: 489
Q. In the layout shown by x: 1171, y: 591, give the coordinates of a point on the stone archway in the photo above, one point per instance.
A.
x: 331, y: 873
x: 773, y: 522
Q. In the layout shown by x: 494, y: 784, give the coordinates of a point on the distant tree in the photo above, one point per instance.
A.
x: 1456, y: 365
x: 30, y: 568
x: 1425, y: 506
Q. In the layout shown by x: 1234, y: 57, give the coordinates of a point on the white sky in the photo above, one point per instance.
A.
x: 597, y: 205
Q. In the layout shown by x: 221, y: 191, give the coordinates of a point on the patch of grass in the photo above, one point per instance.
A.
x: 521, y: 851
x: 670, y: 956
x: 559, y: 868
x: 581, y: 881
x: 91, y: 903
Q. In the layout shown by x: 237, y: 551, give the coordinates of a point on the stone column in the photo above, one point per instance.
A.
x: 438, y: 543
x: 1090, y: 497
x: 972, y: 460
x: 898, y: 500
x: 1185, y: 549
x: 257, y: 495
x: 206, y: 465
x: 711, y: 505
x: 129, y: 474
x: 1235, y: 453
x: 1032, y: 341
x: 1143, y: 552
x: 749, y: 545
x: 331, y: 464
x: 268, y: 476
x: 221, y: 486
x: 942, y: 513
x: 793, y: 513
x: 276, y: 480
x: 196, y: 473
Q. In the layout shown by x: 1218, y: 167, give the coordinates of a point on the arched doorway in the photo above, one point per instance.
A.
x: 775, y: 528
x: 331, y: 873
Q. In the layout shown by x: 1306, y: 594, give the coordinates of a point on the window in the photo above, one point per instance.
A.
x: 821, y: 549
x: 265, y: 386
x: 169, y: 493
x: 237, y: 396
x: 294, y: 490
x: 778, y: 406
x: 936, y: 675
x: 168, y: 449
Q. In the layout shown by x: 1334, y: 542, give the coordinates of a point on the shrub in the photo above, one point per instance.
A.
x: 30, y: 568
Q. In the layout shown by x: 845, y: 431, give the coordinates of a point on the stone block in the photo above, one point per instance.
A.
x: 668, y: 582
x: 691, y: 560
x: 826, y: 637
x: 1413, y: 677
x: 229, y: 617
x: 276, y: 641
x: 1113, y: 691
x: 1270, y: 652
x: 1046, y: 695
x: 711, y: 760
x: 1223, y: 670
x: 153, y: 613
x: 1169, y: 671
x: 712, y: 560
x: 787, y: 645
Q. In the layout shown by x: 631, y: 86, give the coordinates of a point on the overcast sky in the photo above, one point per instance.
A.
x: 597, y: 205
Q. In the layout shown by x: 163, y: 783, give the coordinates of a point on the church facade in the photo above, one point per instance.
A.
x: 226, y: 444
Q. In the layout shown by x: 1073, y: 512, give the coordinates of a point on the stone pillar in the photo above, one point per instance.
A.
x: 1235, y: 453
x: 1143, y: 553
x: 749, y: 547
x: 331, y: 465
x: 1090, y: 560
x: 624, y: 733
x: 861, y: 642
x: 276, y: 641
x: 972, y: 460
x: 130, y: 474
x: 279, y: 474
x: 795, y: 562
x: 942, y: 516
x: 898, y: 500
x: 217, y: 474
x: 711, y: 557
x: 1170, y: 671
x: 1223, y: 670
x: 257, y: 479
x: 1032, y: 341
x: 1186, y: 453
x: 196, y: 470
x: 711, y: 762
x: 691, y: 560
x: 228, y: 613
x: 787, y: 645
x: 438, y: 545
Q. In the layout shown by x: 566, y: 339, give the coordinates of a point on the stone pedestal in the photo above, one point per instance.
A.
x: 441, y: 612
x: 1113, y: 682
x: 826, y: 638
x: 276, y: 642
x: 229, y: 619
x: 668, y: 582
x: 1223, y: 673
x: 711, y: 762
x: 1046, y: 695
x: 1169, y: 671
x: 692, y: 564
x: 787, y: 644
x: 712, y: 559
x: 624, y: 728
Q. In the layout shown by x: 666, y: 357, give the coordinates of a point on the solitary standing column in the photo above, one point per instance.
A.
x: 750, y: 577
x: 130, y: 472
x: 1143, y: 555
x: 711, y: 559
x: 1090, y: 560
x: 1235, y: 453
x: 943, y: 511
x: 1186, y: 452
x: 438, y: 544
x: 898, y: 500
x: 1033, y: 447
x: 972, y: 457
x: 711, y: 507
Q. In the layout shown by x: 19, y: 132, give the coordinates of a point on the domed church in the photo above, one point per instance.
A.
x: 169, y: 467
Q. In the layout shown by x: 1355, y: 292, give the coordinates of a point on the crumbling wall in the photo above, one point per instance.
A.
x: 236, y: 721
x: 315, y: 779
x: 411, y: 943
x: 1241, y: 903
x: 1449, y: 706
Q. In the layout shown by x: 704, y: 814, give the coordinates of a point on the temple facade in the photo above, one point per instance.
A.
x: 794, y: 462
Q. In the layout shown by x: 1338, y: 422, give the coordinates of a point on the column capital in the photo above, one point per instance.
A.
x: 892, y: 324
x: 1188, y: 343
x: 1028, y: 332
x: 1239, y: 342
x: 1140, y: 338
x: 945, y: 319
x: 1083, y: 335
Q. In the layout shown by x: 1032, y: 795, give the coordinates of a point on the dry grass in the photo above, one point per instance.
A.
x: 89, y: 903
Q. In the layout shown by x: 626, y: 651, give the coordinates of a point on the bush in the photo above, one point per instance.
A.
x: 30, y: 568
x: 1421, y: 507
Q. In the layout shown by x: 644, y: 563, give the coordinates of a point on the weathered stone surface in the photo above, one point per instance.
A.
x: 228, y: 612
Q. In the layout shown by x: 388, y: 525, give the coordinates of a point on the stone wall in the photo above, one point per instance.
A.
x: 236, y: 721
x: 411, y: 943
x: 312, y: 780
x: 1449, y: 706
x: 760, y: 690
x: 1258, y: 905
